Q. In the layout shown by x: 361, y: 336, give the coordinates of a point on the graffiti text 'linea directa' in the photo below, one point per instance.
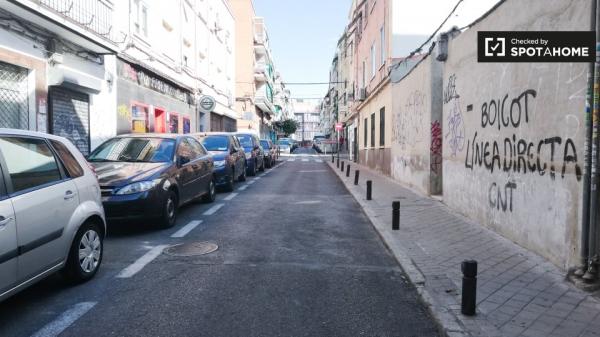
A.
x: 517, y: 154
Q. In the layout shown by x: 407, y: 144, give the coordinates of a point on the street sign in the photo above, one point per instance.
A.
x: 207, y: 104
x: 339, y: 127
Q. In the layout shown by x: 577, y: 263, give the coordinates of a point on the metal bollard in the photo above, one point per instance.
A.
x: 338, y: 163
x: 332, y: 158
x: 342, y: 169
x: 396, y: 215
x: 348, y: 171
x: 469, y: 287
x: 356, y: 174
x: 369, y: 189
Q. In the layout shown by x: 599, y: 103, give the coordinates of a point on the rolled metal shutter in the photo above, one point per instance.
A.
x: 70, y: 113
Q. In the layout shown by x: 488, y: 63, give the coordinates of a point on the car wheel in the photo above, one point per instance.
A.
x: 85, y: 255
x: 229, y: 186
x: 243, y: 175
x: 212, y: 192
x: 169, y: 215
x: 262, y: 167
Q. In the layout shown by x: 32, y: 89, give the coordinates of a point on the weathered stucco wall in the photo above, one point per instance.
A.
x: 416, y: 155
x: 513, y: 145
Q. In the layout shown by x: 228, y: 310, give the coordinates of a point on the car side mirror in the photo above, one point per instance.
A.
x: 181, y: 160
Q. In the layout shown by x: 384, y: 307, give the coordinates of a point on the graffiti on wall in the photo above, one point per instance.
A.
x: 549, y: 156
x: 456, y: 126
x: 407, y: 122
x: 436, y: 147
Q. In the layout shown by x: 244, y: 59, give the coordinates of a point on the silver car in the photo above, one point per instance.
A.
x: 51, y: 215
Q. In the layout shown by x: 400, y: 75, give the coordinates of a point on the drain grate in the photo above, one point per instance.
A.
x: 191, y: 249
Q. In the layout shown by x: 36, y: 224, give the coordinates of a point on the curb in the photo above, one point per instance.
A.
x: 447, y: 323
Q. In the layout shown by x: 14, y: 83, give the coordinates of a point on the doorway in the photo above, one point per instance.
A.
x: 160, y: 120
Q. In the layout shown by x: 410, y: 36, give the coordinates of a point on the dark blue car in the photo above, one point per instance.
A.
x: 228, y: 156
x: 255, y: 157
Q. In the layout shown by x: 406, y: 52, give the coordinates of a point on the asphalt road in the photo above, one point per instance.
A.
x: 296, y: 257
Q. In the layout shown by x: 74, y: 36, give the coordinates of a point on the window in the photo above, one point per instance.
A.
x: 139, y: 118
x: 364, y: 77
x: 382, y: 126
x: 140, y: 18
x: 373, y: 130
x: 173, y: 123
x: 216, y: 143
x: 73, y: 168
x: 186, y: 150
x: 30, y: 162
x: 366, y: 122
x: 134, y: 149
x: 373, y: 61
x: 382, y: 35
x: 198, y: 149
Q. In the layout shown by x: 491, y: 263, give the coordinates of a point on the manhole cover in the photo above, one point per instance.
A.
x: 191, y: 249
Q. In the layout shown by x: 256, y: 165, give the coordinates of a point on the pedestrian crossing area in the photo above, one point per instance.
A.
x: 305, y: 159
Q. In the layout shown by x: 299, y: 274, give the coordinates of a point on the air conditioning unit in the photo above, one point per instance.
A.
x: 362, y: 94
x: 350, y: 96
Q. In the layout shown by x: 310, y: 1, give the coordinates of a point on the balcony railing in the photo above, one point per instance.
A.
x: 95, y: 16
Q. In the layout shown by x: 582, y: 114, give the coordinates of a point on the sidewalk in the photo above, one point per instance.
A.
x: 518, y: 293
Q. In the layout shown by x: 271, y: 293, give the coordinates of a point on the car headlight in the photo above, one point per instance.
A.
x: 249, y: 155
x: 141, y: 186
x: 219, y: 163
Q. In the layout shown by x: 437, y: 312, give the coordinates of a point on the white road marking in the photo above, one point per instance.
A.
x: 257, y: 178
x: 186, y: 229
x: 213, y: 209
x: 308, y: 202
x: 243, y: 188
x: 304, y: 159
x: 251, y: 182
x: 318, y: 160
x: 65, y: 320
x: 230, y: 196
x: 138, y: 265
x: 312, y: 171
x: 292, y: 159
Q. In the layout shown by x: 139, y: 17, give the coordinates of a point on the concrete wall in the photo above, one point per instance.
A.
x: 513, y: 144
x: 416, y: 156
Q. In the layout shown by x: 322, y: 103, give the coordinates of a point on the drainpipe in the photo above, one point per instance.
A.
x: 592, y: 271
x: 585, y: 219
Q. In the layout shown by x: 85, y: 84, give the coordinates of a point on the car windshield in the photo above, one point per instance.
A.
x: 245, y: 140
x: 216, y: 143
x: 284, y: 142
x: 265, y: 144
x: 134, y: 149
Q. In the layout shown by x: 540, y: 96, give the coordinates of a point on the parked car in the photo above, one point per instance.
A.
x: 51, y: 215
x: 148, y: 176
x: 254, y: 152
x: 228, y: 156
x: 285, y: 145
x: 270, y: 152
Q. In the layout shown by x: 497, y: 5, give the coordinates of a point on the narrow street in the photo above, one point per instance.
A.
x: 296, y: 257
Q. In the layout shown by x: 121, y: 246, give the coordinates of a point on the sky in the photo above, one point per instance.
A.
x: 304, y: 33
x: 303, y: 37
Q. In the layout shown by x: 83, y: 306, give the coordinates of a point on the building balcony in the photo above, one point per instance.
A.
x: 88, y: 23
x: 261, y: 74
x: 264, y: 104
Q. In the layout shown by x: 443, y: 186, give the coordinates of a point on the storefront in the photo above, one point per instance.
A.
x: 222, y: 123
x: 147, y: 102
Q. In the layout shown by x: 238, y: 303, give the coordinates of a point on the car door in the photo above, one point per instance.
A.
x: 203, y: 165
x: 238, y: 156
x: 186, y: 173
x: 44, y: 200
x: 8, y: 241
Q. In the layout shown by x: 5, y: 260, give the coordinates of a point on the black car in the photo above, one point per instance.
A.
x: 254, y: 152
x: 228, y: 155
x: 150, y: 175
